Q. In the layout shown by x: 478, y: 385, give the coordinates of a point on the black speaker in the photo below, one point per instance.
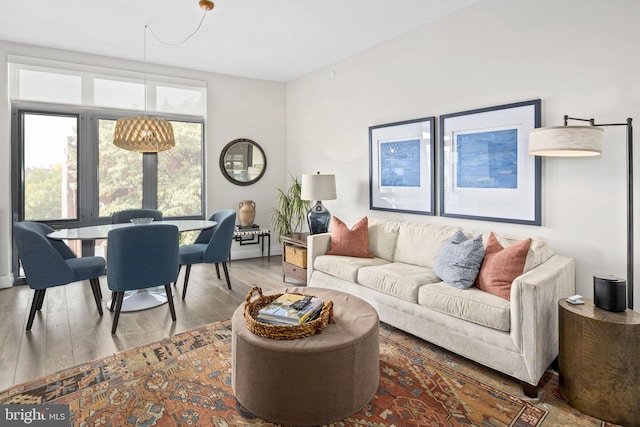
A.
x: 610, y: 293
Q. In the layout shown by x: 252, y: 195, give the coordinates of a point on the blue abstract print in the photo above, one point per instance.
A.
x: 400, y: 163
x: 488, y: 159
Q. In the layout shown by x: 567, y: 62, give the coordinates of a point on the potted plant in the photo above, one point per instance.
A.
x: 290, y: 213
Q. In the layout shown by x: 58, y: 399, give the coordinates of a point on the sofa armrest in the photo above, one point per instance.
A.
x: 534, y: 311
x: 317, y: 244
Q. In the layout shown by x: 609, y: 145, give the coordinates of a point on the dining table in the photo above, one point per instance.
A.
x: 140, y: 299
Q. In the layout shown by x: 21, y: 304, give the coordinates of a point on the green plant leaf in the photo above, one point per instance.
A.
x: 290, y: 213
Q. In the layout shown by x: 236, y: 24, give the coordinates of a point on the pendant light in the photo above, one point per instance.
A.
x: 146, y: 134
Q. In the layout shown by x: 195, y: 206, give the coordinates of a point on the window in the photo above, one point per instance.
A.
x: 39, y: 85
x: 66, y: 171
x: 119, y: 173
x: 50, y: 144
x: 57, y: 82
x: 180, y: 172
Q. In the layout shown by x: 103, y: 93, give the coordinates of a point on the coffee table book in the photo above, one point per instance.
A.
x: 280, y: 311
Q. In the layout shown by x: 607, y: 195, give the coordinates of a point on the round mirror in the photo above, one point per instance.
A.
x: 243, y: 162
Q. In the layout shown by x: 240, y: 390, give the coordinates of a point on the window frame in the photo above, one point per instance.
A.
x: 87, y: 160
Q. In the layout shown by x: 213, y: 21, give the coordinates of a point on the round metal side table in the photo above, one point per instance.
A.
x: 599, y: 361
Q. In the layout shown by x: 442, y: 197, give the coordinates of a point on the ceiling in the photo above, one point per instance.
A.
x: 278, y: 40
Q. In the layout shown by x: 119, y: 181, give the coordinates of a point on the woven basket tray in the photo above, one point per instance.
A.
x: 283, y: 332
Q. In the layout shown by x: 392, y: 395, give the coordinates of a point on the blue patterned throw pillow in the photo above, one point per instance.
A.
x: 459, y: 260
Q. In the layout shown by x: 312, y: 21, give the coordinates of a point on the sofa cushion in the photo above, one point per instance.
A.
x: 350, y: 242
x: 383, y: 236
x: 397, y: 279
x: 419, y: 244
x: 539, y: 250
x: 470, y: 304
x: 344, y: 267
x: 501, y: 266
x: 459, y: 260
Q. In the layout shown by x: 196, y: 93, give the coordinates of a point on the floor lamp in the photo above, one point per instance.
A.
x: 577, y: 141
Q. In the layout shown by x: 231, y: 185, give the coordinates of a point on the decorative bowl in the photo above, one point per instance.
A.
x: 139, y: 221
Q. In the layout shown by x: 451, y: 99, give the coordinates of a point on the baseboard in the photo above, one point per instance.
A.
x: 6, y: 281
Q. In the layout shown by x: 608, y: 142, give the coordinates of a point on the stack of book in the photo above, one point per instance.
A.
x: 290, y: 309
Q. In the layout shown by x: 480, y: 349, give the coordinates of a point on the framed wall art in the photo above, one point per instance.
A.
x: 401, y: 166
x: 486, y: 171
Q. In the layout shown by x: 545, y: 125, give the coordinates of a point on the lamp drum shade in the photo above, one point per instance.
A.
x: 143, y: 134
x: 318, y: 187
x: 566, y: 141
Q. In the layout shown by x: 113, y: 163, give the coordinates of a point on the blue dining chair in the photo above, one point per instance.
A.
x: 125, y: 216
x: 48, y: 263
x: 212, y: 245
x: 141, y: 257
x: 128, y: 214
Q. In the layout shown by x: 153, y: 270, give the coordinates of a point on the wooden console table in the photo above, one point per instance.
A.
x: 295, y: 241
x: 599, y: 361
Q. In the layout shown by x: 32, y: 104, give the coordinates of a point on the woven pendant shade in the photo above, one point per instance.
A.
x: 143, y: 134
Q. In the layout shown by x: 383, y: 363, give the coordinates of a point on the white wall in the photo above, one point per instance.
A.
x: 579, y: 56
x: 236, y: 108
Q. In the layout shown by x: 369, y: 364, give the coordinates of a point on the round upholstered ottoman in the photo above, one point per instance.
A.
x: 314, y: 380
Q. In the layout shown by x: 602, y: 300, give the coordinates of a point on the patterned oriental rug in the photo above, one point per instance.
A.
x: 185, y: 380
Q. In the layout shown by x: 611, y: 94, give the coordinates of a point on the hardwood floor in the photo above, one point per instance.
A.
x: 68, y: 330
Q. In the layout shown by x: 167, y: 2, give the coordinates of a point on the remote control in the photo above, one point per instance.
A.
x: 300, y: 304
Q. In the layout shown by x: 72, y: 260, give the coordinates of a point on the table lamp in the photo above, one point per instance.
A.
x: 318, y: 187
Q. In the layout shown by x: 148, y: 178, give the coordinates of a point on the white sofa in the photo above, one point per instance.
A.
x: 517, y: 337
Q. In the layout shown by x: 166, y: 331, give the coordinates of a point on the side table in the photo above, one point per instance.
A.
x: 249, y: 236
x: 599, y: 361
x: 294, y: 256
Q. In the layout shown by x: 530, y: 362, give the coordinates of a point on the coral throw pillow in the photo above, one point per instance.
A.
x: 501, y: 265
x: 354, y: 242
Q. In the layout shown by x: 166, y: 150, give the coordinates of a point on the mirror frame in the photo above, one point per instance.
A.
x: 224, y: 170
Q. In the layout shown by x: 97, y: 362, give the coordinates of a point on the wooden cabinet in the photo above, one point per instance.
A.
x: 294, y: 256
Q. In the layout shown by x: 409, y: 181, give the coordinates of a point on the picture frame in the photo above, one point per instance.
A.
x: 486, y: 171
x: 402, y: 166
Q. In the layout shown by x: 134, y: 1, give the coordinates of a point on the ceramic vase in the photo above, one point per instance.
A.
x: 246, y: 213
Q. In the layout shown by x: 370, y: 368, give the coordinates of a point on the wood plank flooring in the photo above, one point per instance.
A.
x: 68, y: 330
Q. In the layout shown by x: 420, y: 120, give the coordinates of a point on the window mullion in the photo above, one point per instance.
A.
x: 89, y: 168
x: 150, y: 180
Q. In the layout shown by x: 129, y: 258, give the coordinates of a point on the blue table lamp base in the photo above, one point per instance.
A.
x: 318, y: 218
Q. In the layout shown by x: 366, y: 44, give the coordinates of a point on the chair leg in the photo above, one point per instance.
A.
x: 113, y: 301
x: 172, y: 308
x: 226, y: 274
x: 38, y: 296
x: 186, y: 280
x: 95, y: 287
x: 218, y: 270
x: 116, y: 316
x: 40, y: 299
x: 179, y: 268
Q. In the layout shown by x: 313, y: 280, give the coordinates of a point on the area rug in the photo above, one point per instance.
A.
x: 185, y: 380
